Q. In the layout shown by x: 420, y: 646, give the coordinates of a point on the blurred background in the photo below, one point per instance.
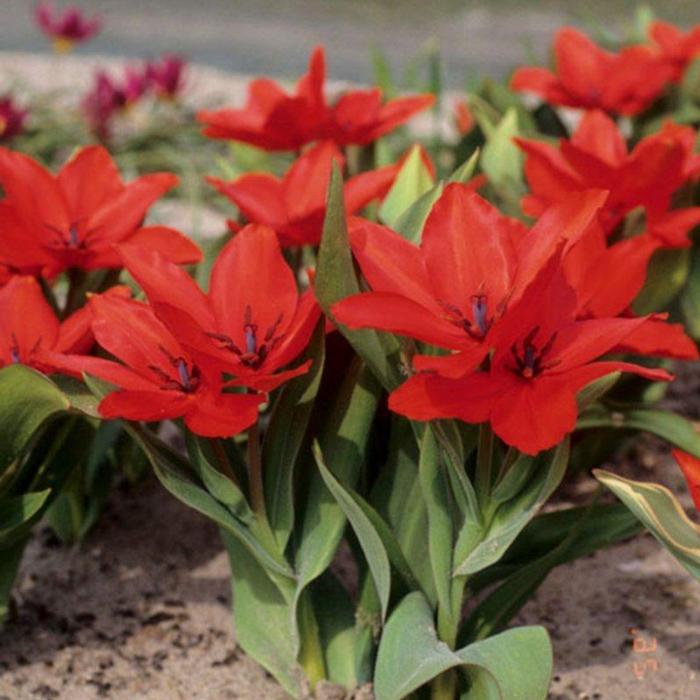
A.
x: 476, y: 37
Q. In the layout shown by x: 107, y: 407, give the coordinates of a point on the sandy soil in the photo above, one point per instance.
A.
x: 141, y: 610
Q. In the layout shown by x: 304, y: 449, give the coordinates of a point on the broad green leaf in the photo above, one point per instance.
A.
x: 501, y: 159
x: 336, y: 279
x: 670, y: 426
x: 398, y: 498
x: 440, y: 534
x: 18, y: 513
x: 411, y: 222
x: 80, y: 397
x: 412, y: 182
x: 219, y: 484
x: 262, y: 617
x: 411, y: 655
x: 660, y: 512
x: 338, y: 631
x: 343, y: 439
x: 289, y: 420
x: 363, y: 511
x: 29, y: 399
x: 513, y: 515
x: 666, y: 275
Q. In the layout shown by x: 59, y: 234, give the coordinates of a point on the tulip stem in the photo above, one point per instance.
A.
x: 484, y: 462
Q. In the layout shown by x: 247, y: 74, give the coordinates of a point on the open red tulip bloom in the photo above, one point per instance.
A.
x: 159, y: 378
x: 295, y: 205
x: 496, y: 295
x: 690, y: 466
x: 278, y: 121
x: 253, y: 322
x: 472, y: 262
x: 591, y: 78
x: 678, y: 49
x: 596, y: 156
x: 74, y: 219
x: 542, y: 356
x: 30, y: 330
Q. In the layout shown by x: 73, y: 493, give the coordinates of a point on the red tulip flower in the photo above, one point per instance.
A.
x: 596, y: 156
x: 166, y: 75
x: 29, y: 328
x: 295, y: 205
x: 471, y: 264
x: 542, y: 357
x: 251, y: 324
x: 158, y: 379
x: 678, y: 49
x: 592, y: 268
x: 690, y: 466
x: 65, y: 28
x: 589, y: 77
x: 74, y: 219
x: 278, y: 121
x: 12, y: 118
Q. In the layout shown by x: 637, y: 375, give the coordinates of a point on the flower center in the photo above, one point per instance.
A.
x: 255, y: 352
x: 69, y: 239
x: 188, y: 376
x: 481, y: 323
x: 529, y: 358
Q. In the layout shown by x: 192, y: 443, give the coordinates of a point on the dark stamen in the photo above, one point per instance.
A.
x: 480, y: 311
x: 529, y: 362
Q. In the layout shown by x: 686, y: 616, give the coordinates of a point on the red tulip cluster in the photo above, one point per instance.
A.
x: 508, y: 322
x: 626, y: 82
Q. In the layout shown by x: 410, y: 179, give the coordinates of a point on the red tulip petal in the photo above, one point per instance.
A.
x: 259, y: 196
x: 690, y: 466
x: 223, y: 415
x: 145, y: 405
x: 168, y: 242
x: 251, y: 272
x: 396, y: 314
x: 27, y: 322
x: 89, y: 180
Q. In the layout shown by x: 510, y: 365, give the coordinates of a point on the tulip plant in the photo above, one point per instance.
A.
x: 393, y: 358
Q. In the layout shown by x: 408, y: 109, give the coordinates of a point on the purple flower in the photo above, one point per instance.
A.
x: 66, y: 28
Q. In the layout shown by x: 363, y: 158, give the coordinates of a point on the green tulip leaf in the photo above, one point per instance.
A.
x: 661, y: 513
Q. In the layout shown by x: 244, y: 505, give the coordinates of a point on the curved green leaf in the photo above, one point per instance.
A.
x: 411, y: 655
x: 670, y: 426
x: 289, y: 420
x: 412, y: 182
x: 661, y: 513
x: 336, y: 279
x: 29, y: 399
x: 513, y: 515
x: 370, y: 541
